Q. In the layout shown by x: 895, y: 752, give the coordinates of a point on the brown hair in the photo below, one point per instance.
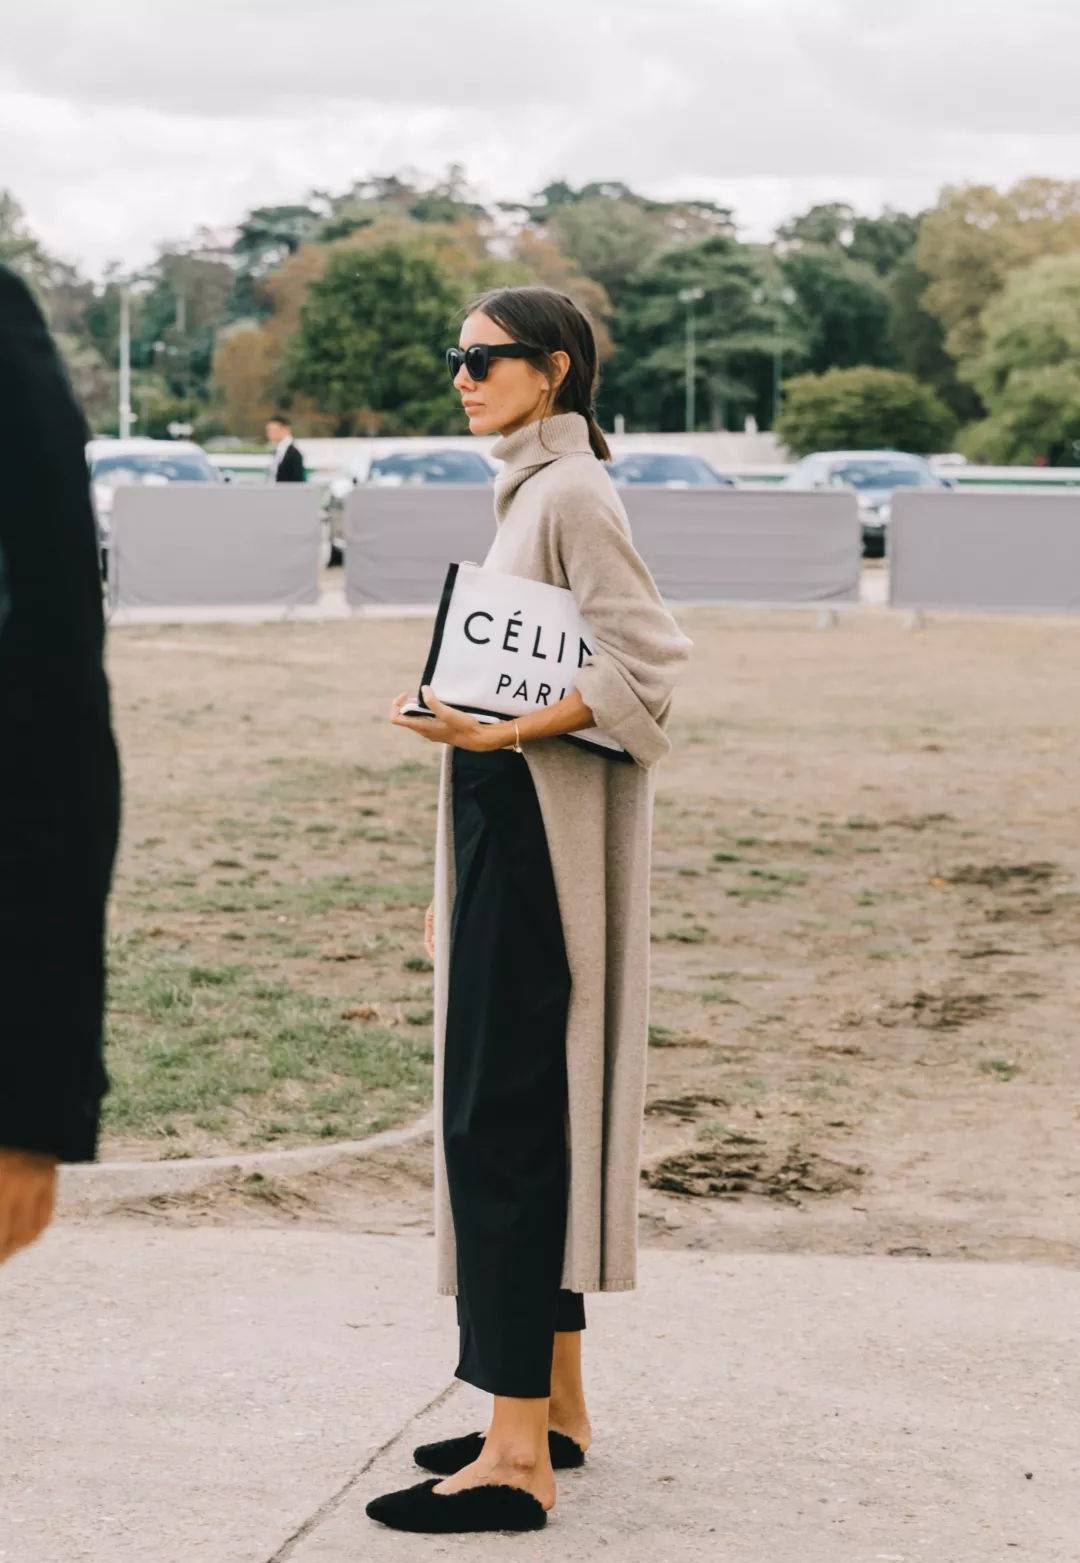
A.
x: 546, y: 321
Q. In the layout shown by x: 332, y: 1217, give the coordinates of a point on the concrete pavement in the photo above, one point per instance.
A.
x: 236, y: 1394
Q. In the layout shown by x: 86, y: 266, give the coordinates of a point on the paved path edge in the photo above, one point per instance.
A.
x: 87, y: 1188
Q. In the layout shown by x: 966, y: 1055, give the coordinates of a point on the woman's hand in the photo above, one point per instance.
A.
x: 447, y: 726
x: 27, y: 1198
x: 429, y: 931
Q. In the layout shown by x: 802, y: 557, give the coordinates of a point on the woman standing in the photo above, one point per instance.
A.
x: 539, y: 931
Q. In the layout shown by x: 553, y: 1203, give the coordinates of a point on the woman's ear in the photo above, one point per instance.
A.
x: 561, y: 362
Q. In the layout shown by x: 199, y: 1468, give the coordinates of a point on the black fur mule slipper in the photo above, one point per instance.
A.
x: 451, y: 1454
x: 497, y: 1506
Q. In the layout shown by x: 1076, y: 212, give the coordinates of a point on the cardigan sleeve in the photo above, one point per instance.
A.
x: 639, y: 651
x: 59, y: 772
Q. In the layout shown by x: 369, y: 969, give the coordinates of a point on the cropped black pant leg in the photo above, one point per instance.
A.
x: 504, y: 1082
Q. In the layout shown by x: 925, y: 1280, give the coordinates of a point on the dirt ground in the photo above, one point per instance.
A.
x: 866, y: 928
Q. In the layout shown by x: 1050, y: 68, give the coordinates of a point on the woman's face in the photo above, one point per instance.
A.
x: 512, y: 393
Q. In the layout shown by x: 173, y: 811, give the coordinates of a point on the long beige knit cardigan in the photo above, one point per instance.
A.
x: 559, y: 519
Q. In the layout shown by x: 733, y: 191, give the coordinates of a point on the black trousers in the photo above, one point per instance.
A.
x: 504, y: 1082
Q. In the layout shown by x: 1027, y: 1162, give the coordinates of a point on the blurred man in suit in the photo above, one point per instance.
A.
x: 59, y: 779
x: 288, y: 464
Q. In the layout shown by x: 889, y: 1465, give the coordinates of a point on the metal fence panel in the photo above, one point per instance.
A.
x: 1010, y: 551
x: 398, y: 541
x: 201, y: 544
x: 734, y: 545
x: 706, y: 545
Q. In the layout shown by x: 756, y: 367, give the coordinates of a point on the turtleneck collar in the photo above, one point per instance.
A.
x: 531, y: 447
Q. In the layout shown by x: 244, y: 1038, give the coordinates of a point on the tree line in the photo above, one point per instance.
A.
x: 957, y: 324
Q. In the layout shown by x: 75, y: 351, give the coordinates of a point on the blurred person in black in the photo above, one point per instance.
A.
x: 59, y: 779
x: 287, y: 465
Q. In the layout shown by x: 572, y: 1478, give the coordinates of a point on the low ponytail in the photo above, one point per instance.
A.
x: 600, y: 447
x: 548, y: 322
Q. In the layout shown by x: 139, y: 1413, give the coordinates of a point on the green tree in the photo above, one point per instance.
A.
x: 609, y: 239
x: 369, y: 347
x: 844, y: 308
x: 251, y: 372
x: 686, y: 222
x: 449, y: 199
x: 94, y: 380
x: 175, y: 322
x: 735, y: 334
x: 265, y: 237
x: 63, y: 294
x: 829, y: 223
x: 66, y: 299
x: 883, y: 242
x: 610, y: 232
x: 879, y: 242
x: 850, y: 322
x: 863, y: 409
x: 918, y: 341
x: 19, y: 247
x: 1028, y: 372
x: 976, y: 235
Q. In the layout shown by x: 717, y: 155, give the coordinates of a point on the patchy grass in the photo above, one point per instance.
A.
x: 843, y: 875
x: 1000, y: 1068
x: 231, y: 1052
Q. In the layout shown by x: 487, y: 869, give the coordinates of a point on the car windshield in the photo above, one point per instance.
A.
x: 663, y: 469
x: 881, y: 474
x: 451, y: 466
x: 184, y: 467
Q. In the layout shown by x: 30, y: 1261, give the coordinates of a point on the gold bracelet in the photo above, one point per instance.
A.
x: 516, y: 745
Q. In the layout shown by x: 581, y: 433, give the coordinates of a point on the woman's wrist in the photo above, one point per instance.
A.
x: 496, y: 735
x: 567, y: 715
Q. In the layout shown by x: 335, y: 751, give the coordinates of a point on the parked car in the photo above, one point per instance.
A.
x: 875, y: 475
x: 432, y: 466
x: 400, y: 468
x: 117, y: 464
x: 673, y: 469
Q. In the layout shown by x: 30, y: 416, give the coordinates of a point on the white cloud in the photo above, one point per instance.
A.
x: 124, y: 124
x: 278, y: 58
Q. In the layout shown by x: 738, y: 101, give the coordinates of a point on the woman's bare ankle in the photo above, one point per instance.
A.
x: 514, y: 1456
x: 567, y: 1412
x: 571, y: 1419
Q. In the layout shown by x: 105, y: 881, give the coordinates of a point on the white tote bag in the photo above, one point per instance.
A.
x: 504, y: 645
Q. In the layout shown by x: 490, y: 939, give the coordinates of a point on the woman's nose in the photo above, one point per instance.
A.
x: 462, y: 381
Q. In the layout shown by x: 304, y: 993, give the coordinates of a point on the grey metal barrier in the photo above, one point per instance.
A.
x: 710, y: 545
x: 398, y: 541
x: 1004, y: 550
x: 773, y: 547
x: 198, y: 545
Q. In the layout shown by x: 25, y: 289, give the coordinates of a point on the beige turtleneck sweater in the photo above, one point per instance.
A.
x: 559, y: 519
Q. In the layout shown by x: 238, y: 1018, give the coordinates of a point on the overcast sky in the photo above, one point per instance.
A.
x: 125, y: 123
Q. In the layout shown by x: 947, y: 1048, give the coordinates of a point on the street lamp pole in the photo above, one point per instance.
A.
x: 777, y: 368
x: 786, y: 297
x: 125, y: 419
x: 689, y: 297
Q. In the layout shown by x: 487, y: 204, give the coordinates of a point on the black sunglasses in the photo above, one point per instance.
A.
x: 478, y: 357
